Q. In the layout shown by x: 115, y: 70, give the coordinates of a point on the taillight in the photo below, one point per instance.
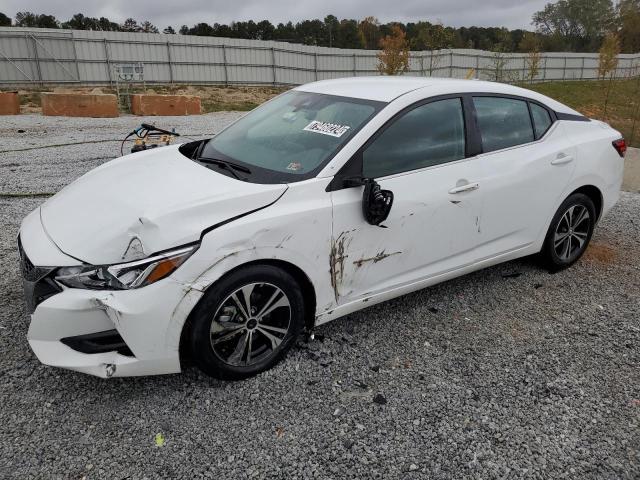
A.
x: 620, y: 145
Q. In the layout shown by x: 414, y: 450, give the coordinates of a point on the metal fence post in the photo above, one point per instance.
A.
x: 564, y: 69
x: 422, y: 65
x: 544, y: 69
x: 108, y: 60
x: 36, y: 57
x: 524, y: 68
x: 478, y: 66
x: 170, y: 63
x: 582, y: 69
x: 315, y: 64
x: 355, y: 65
x: 450, y: 64
x: 224, y: 63
x: 75, y: 56
x: 273, y: 65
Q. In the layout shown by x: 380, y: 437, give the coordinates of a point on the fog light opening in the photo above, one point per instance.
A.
x: 109, y: 369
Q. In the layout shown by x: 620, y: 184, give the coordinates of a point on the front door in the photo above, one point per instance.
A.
x: 433, y: 224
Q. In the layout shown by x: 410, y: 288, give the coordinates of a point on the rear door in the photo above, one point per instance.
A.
x: 526, y: 165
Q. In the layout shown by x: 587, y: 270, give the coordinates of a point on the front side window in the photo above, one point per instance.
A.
x: 291, y: 137
x: 541, y: 119
x: 428, y: 135
x: 503, y: 122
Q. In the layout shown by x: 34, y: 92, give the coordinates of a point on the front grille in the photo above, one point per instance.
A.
x: 38, y: 282
x: 99, y: 342
x: 29, y: 271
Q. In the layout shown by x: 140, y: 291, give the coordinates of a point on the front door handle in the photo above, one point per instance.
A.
x: 561, y: 159
x: 465, y: 188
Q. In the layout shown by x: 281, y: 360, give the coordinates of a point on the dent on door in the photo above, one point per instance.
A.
x: 428, y: 230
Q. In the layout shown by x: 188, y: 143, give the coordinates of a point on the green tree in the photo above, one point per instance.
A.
x: 4, y: 20
x: 581, y: 23
x: 148, y: 27
x: 29, y: 19
x: 169, y: 30
x: 629, y: 20
x: 428, y: 36
x: 349, y: 35
x: 130, y: 25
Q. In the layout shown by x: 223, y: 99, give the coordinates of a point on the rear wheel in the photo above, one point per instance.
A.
x: 247, y: 322
x: 570, y: 232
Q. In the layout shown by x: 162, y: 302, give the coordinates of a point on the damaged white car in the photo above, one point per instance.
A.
x: 332, y: 197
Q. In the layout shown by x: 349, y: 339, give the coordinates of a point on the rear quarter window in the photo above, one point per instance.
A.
x: 541, y: 119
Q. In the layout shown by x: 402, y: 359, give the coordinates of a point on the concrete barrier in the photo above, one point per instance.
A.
x: 9, y: 103
x: 143, y: 104
x: 80, y: 105
x: 631, y: 181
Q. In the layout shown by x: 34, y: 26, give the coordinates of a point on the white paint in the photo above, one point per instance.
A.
x: 434, y: 232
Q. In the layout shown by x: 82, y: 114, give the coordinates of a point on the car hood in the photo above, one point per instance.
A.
x: 144, y: 203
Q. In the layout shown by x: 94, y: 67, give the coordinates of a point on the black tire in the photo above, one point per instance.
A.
x: 218, y: 316
x: 562, y: 246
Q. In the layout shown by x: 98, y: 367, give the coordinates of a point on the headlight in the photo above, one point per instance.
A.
x: 124, y: 275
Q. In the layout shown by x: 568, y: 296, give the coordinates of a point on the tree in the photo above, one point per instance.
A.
x: 581, y: 23
x: 369, y: 29
x: 531, y: 45
x: 608, y: 56
x: 332, y: 25
x: 430, y: 36
x: 629, y: 20
x: 394, y: 57
x: 148, y: 27
x: 4, y: 20
x: 29, y: 19
x: 184, y: 30
x: 348, y: 35
x: 130, y: 25
x: 169, y: 30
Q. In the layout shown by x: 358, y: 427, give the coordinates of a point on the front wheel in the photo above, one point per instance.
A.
x: 246, y: 322
x: 570, y: 232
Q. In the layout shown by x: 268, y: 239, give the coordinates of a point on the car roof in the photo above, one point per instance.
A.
x: 388, y: 88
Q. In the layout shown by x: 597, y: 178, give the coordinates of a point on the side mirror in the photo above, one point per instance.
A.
x: 376, y: 203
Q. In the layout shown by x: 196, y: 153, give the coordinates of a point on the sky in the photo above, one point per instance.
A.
x: 482, y: 13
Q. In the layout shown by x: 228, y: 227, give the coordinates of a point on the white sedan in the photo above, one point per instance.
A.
x: 330, y: 198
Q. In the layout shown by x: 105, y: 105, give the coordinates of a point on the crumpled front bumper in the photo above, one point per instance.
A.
x: 148, y: 319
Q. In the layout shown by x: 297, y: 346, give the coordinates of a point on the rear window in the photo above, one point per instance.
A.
x: 503, y: 122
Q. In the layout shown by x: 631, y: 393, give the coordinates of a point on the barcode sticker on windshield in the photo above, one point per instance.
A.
x: 325, y: 128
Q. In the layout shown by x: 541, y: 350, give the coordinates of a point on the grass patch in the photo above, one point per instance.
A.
x: 588, y: 97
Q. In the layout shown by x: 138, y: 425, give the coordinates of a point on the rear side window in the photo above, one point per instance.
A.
x: 503, y: 122
x: 541, y: 119
x: 428, y: 135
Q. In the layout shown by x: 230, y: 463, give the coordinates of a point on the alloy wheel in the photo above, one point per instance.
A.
x: 572, y: 232
x: 250, y: 324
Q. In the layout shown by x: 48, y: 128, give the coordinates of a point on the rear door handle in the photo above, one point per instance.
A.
x: 465, y: 188
x: 561, y: 159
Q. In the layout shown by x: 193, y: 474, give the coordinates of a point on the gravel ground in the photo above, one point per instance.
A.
x: 510, y: 372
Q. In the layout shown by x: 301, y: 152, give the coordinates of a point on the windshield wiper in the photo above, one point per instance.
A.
x: 229, y: 166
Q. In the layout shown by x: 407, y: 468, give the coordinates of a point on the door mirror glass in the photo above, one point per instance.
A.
x: 376, y: 203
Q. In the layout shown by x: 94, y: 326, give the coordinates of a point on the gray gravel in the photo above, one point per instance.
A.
x: 510, y: 372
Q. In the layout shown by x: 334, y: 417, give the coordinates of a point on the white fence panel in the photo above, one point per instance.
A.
x: 47, y: 56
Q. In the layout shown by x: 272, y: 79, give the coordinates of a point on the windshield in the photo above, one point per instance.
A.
x: 291, y: 137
